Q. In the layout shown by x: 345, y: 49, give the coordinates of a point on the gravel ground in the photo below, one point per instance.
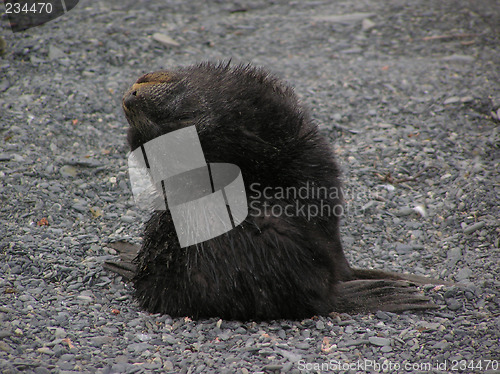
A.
x: 406, y: 90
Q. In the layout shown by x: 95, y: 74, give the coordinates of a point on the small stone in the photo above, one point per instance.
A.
x: 5, y: 334
x: 421, y: 210
x: 383, y: 315
x: 367, y: 24
x: 458, y: 58
x: 18, y: 158
x: 402, y: 248
x: 55, y: 53
x: 406, y: 211
x: 375, y: 340
x: 127, y: 219
x: 428, y: 325
x: 59, y: 333
x: 471, y: 228
x: 349, y: 330
x: 45, y: 350
x: 80, y: 206
x: 451, y: 100
x: 165, y: 40
x: 85, y: 298
x: 98, y: 341
x: 463, y: 274
x: 303, y: 345
x: 68, y: 171
x: 67, y: 357
x: 35, y: 60
x: 443, y: 344
x: 454, y: 255
x: 95, y: 211
x: 4, y: 347
x: 5, y: 157
x: 110, y: 251
x: 42, y: 370
x: 453, y: 304
x: 168, y: 365
x: 225, y: 335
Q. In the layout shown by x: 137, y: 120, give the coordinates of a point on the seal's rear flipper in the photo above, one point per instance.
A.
x: 368, y: 295
x: 380, y: 274
x: 125, y: 267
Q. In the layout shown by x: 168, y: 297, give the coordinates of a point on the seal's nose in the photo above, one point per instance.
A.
x: 130, y: 98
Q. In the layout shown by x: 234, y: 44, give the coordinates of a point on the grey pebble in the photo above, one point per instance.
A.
x: 350, y: 343
x: 85, y: 298
x: 4, y: 347
x: 453, y: 304
x: 441, y: 345
x: 98, y: 341
x: 320, y: 325
x: 406, y: 211
x: 459, y: 58
x: 463, y: 274
x: 428, y: 325
x: 5, y: 157
x: 68, y: 171
x: 165, y: 40
x: 451, y: 100
x: 302, y: 345
x: 41, y: 370
x: 383, y: 315
x: 5, y: 333
x: 472, y: 228
x: 375, y: 340
x: 45, y: 350
x: 127, y: 219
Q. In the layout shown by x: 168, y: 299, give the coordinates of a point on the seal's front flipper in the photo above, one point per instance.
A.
x: 125, y: 266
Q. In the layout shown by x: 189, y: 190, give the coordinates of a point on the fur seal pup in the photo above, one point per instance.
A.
x: 271, y: 265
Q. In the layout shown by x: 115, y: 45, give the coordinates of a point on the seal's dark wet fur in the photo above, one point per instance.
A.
x: 272, y: 265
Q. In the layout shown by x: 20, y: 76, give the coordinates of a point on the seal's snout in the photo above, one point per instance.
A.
x: 143, y: 87
x: 130, y: 98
